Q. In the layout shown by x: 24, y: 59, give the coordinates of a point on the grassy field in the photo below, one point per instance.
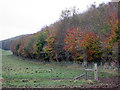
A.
x: 18, y: 72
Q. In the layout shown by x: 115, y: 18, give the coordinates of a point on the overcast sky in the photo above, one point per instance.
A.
x: 29, y: 16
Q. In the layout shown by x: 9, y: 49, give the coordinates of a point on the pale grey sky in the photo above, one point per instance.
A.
x: 29, y: 16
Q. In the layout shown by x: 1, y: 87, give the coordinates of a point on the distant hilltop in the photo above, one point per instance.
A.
x: 5, y: 44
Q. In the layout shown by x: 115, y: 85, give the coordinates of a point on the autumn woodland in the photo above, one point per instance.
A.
x: 91, y: 36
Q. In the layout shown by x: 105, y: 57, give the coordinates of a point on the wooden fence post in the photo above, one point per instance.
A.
x: 8, y: 72
x: 95, y: 72
x: 85, y: 73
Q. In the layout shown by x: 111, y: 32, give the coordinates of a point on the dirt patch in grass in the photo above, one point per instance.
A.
x: 111, y: 80
x: 2, y: 80
x: 109, y: 83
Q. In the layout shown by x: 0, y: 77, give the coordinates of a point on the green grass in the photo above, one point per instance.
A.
x: 26, y: 73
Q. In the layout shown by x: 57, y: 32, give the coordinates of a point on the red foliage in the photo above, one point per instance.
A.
x: 76, y: 39
x: 72, y: 41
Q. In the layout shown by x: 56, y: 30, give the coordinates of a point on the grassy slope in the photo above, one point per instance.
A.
x: 26, y: 73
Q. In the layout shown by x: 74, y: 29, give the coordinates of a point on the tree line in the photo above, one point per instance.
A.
x: 89, y: 36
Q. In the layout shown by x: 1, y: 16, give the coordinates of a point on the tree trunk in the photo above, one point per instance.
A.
x: 56, y: 56
x: 85, y: 56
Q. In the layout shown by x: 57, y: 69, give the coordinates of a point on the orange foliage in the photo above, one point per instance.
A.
x: 72, y: 41
x: 76, y: 39
x: 114, y: 34
x: 91, y: 42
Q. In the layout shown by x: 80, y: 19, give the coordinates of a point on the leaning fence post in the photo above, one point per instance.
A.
x: 95, y: 72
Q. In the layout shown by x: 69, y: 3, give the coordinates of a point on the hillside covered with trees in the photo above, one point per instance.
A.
x: 89, y: 36
x: 5, y: 44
